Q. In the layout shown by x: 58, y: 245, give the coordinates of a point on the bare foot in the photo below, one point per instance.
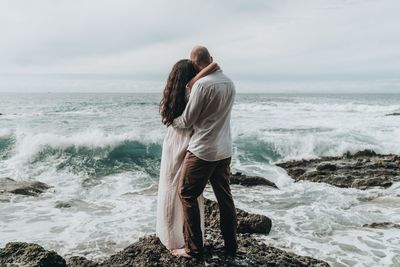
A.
x: 181, y: 252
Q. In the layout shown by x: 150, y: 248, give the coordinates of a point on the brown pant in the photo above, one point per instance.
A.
x: 195, y: 174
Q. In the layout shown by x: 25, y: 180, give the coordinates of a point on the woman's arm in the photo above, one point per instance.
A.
x: 204, y: 72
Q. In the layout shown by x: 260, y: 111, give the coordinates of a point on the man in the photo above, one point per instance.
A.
x: 208, y: 158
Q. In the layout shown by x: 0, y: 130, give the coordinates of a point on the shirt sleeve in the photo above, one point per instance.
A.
x: 192, y: 110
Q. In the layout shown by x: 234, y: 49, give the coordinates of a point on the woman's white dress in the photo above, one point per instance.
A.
x: 169, y: 226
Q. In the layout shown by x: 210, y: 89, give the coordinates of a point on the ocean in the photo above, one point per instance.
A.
x: 101, y: 154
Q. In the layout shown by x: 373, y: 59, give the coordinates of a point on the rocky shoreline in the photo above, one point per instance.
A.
x: 361, y: 170
x: 148, y: 250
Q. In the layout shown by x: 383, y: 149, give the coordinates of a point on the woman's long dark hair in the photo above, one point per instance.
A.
x: 174, y: 102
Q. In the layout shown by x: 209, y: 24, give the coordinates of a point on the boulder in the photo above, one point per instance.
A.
x: 365, y: 153
x: 29, y: 255
x: 247, y: 222
x: 28, y: 188
x: 241, y: 179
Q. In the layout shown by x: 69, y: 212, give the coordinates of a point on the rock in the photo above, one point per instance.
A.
x: 149, y: 251
x: 376, y: 181
x: 247, y: 222
x: 393, y: 114
x: 327, y: 167
x: 365, y: 153
x: 8, y: 185
x: 383, y: 225
x: 297, y: 171
x: 63, y: 205
x: 241, y: 179
x: 29, y: 255
x: 362, y: 170
x: 77, y: 261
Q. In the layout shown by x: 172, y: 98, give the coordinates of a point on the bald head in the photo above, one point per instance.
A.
x: 200, y: 57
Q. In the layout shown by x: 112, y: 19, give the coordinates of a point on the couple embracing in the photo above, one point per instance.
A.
x: 196, y: 107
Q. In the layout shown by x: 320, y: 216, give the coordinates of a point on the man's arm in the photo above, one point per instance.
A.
x: 204, y: 72
x: 192, y: 110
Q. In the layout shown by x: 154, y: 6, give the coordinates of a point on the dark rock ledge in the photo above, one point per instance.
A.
x: 245, y: 180
x: 362, y: 170
x: 382, y: 225
x: 28, y: 188
x: 148, y: 250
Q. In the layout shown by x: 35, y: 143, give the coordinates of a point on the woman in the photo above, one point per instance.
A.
x: 169, y: 227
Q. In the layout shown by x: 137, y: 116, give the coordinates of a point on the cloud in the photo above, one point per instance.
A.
x: 263, y: 39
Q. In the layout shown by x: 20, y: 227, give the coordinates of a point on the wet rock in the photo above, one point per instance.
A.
x: 149, y: 251
x: 297, y: 171
x: 29, y: 255
x: 376, y: 181
x: 8, y: 185
x: 63, y: 205
x: 362, y: 170
x: 365, y: 153
x: 382, y: 225
x: 247, y: 222
x: 241, y: 179
x: 393, y: 114
x: 77, y: 261
x: 327, y: 167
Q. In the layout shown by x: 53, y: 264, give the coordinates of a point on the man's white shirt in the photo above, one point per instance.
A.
x: 208, y: 112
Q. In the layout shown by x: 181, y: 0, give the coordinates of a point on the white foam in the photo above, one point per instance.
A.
x: 5, y: 133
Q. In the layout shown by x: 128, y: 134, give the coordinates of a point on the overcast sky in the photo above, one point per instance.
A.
x: 260, y: 41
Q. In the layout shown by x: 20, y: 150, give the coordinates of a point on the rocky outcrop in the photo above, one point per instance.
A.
x: 8, y: 185
x: 362, y: 170
x: 29, y: 255
x: 247, y: 222
x: 382, y: 225
x: 149, y: 251
x: 241, y: 179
